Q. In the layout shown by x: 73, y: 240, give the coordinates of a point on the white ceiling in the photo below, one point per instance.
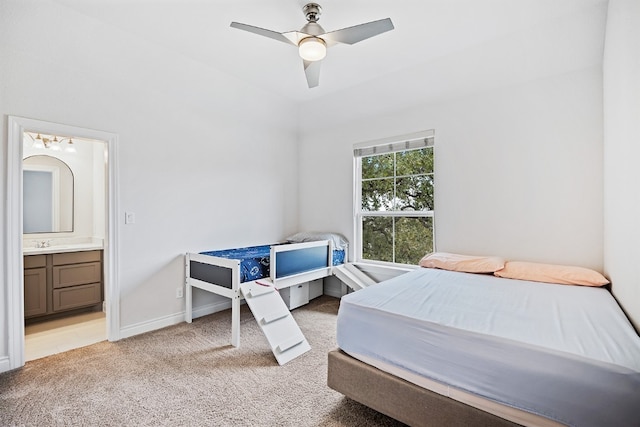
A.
x: 449, y: 41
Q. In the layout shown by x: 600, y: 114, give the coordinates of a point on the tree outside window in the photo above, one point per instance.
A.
x: 395, y: 211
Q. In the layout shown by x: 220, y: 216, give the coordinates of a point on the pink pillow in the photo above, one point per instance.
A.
x: 551, y: 273
x: 463, y: 263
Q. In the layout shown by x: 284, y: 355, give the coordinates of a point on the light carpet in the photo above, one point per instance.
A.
x: 187, y: 375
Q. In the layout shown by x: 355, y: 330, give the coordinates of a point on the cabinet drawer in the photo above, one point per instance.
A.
x: 296, y: 295
x: 77, y: 274
x: 76, y: 257
x: 35, y: 292
x: 32, y: 261
x: 76, y: 296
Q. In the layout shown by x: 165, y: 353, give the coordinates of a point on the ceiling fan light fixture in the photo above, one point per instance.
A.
x: 311, y: 40
x: 312, y: 49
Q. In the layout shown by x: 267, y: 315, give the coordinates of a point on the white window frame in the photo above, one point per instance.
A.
x: 381, y: 146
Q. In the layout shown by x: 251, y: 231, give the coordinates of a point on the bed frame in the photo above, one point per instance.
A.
x: 290, y: 264
x: 400, y: 399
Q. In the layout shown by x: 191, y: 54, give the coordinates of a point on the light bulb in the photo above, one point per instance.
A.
x: 70, y: 148
x: 55, y: 144
x: 312, y: 49
x: 37, y: 143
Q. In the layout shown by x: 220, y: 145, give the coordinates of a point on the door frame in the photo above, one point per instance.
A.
x: 14, y: 258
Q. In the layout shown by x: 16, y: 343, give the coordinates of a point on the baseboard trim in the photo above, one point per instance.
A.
x: 5, y: 364
x: 170, y: 320
x: 211, y: 308
x: 151, y: 325
x: 174, y: 319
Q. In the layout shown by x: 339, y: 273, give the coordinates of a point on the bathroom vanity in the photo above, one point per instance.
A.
x: 62, y: 280
x: 63, y: 252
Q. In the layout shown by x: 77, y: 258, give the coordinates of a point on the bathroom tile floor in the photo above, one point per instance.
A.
x: 57, y: 336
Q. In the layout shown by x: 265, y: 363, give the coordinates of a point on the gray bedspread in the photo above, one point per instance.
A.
x: 567, y: 353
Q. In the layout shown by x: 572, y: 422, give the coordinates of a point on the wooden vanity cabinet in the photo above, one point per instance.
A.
x: 35, y: 285
x: 66, y: 281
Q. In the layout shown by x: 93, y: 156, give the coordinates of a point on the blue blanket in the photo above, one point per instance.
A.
x: 254, y: 260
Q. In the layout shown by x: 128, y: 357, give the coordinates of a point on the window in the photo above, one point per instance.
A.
x: 394, y: 199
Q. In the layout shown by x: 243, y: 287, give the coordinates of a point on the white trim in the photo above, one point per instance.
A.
x: 13, y: 255
x: 5, y: 364
x: 170, y: 320
x: 394, y: 139
x: 151, y: 325
x: 111, y: 252
x: 215, y: 307
x: 14, y: 262
x: 394, y: 147
x: 357, y: 197
x: 399, y: 214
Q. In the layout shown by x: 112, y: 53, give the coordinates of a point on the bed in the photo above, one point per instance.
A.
x: 280, y: 265
x: 435, y: 347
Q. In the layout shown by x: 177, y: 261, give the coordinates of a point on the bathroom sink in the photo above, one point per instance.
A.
x: 74, y: 247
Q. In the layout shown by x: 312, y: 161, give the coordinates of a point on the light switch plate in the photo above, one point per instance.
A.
x: 129, y: 218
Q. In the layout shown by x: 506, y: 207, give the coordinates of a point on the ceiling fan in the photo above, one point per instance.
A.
x: 312, y: 40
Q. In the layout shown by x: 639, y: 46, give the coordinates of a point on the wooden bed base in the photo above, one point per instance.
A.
x: 400, y: 399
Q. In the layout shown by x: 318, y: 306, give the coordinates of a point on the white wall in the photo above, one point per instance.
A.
x: 622, y: 154
x: 205, y: 161
x: 208, y: 162
x: 552, y: 47
x: 518, y: 169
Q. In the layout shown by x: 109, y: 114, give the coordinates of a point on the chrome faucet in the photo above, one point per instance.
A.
x: 43, y: 244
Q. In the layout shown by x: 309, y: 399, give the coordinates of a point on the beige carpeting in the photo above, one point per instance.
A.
x: 187, y: 375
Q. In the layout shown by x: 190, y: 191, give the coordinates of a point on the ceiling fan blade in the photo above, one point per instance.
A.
x: 312, y: 71
x: 262, y: 32
x: 351, y: 35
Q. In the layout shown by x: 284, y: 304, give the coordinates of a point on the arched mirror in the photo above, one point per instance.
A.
x: 47, y: 195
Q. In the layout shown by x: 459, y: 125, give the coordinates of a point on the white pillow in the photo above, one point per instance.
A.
x: 339, y: 241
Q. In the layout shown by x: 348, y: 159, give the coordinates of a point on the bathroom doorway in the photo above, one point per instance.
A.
x: 73, y: 261
x: 64, y: 217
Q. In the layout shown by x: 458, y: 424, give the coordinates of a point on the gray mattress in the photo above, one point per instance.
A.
x: 567, y: 353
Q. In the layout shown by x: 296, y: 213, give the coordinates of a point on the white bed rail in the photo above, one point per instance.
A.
x: 202, y: 272
x: 304, y: 276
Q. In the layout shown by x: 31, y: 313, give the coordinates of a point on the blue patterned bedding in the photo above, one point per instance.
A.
x: 255, y: 260
x: 338, y: 256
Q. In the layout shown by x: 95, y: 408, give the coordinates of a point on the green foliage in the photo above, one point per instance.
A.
x: 413, y: 238
x: 400, y: 181
x: 414, y: 193
x: 377, y: 238
x: 415, y: 162
x: 377, y: 166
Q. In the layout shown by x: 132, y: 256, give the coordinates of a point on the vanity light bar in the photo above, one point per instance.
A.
x: 52, y: 142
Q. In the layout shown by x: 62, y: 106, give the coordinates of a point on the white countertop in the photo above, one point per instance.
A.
x: 55, y: 249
